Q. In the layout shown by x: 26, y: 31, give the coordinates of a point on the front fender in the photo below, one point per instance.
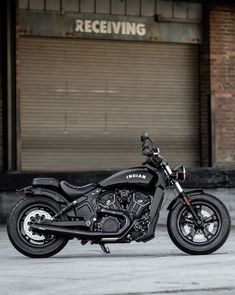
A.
x: 39, y: 191
x: 175, y: 202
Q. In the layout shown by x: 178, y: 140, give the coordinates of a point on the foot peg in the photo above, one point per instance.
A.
x: 104, y: 249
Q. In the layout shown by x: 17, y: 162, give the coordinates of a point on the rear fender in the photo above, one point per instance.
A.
x: 39, y: 191
x: 177, y: 200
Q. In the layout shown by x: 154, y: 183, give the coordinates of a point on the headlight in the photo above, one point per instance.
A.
x: 179, y: 173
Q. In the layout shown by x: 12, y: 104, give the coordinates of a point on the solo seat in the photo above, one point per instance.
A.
x: 73, y: 191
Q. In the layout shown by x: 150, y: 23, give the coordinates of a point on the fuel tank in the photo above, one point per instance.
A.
x: 140, y: 176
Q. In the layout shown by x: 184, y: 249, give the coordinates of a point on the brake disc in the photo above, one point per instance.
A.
x: 35, y: 215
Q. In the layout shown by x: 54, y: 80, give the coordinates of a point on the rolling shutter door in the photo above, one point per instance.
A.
x: 84, y: 103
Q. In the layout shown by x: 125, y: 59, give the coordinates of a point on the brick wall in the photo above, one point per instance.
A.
x: 205, y: 90
x: 217, y: 83
x: 222, y: 84
x: 1, y: 93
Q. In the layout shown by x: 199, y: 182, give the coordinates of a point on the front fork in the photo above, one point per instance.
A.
x: 186, y: 200
x: 184, y: 197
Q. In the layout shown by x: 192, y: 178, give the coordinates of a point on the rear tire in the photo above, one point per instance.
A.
x: 193, y: 240
x: 23, y: 238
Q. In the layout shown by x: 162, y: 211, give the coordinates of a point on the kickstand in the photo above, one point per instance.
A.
x: 105, y: 249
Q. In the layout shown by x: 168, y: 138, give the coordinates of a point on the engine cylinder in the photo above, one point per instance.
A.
x: 138, y: 203
x: 109, y: 201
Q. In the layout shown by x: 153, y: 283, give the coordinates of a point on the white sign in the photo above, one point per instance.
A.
x: 136, y: 176
x: 110, y: 27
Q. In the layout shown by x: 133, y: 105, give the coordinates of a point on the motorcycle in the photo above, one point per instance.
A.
x: 122, y: 208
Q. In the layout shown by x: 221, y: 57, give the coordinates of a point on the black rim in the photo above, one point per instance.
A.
x: 36, y: 213
x: 209, y: 229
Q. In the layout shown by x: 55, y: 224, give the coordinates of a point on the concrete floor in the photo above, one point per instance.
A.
x: 156, y: 267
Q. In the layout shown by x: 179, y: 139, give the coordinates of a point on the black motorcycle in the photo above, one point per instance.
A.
x: 120, y: 209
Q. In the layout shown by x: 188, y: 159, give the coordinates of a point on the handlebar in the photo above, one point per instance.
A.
x: 148, y: 149
x: 155, y: 159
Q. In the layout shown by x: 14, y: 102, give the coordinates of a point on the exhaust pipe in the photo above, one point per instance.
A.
x: 71, y: 232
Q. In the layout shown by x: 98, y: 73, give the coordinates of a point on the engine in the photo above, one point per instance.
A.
x: 124, y: 200
x: 134, y: 202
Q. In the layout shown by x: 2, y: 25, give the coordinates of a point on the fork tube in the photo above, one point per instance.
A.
x: 187, y: 202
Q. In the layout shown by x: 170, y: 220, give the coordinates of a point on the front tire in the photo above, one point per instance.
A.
x: 210, y: 236
x: 26, y: 241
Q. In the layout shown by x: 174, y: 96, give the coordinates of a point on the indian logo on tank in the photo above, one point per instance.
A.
x: 142, y: 176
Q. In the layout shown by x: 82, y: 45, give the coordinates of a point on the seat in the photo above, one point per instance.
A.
x: 73, y: 192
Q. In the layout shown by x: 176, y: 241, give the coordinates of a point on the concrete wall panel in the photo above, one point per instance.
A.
x: 70, y: 5
x: 53, y: 5
x: 148, y: 8
x: 118, y: 7
x: 103, y: 6
x: 195, y: 11
x: 23, y: 4
x: 87, y: 6
x: 180, y: 10
x: 133, y: 7
x: 165, y: 8
x: 36, y: 4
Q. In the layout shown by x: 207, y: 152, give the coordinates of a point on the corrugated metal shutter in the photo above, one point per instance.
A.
x: 84, y: 103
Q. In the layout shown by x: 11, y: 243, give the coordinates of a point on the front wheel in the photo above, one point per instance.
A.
x: 26, y: 240
x: 204, y: 239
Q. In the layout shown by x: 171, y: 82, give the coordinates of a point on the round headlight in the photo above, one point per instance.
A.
x: 179, y: 173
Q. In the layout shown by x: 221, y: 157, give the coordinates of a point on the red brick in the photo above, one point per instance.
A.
x: 222, y: 73
x: 218, y: 84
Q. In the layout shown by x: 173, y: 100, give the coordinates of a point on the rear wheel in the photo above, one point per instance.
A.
x: 26, y: 240
x: 206, y: 238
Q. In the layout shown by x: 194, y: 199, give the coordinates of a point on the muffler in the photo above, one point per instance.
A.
x: 84, y: 234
